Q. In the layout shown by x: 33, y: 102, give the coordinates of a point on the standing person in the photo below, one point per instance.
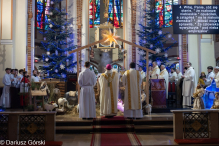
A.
x: 210, y: 75
x: 164, y: 75
x: 179, y: 75
x: 21, y: 74
x: 216, y: 77
x: 5, y: 97
x: 189, y: 84
x: 155, y: 71
x: 24, y: 88
x: 87, y: 80
x: 109, y: 91
x: 173, y: 75
x: 132, y: 81
x: 35, y: 77
x: 142, y: 73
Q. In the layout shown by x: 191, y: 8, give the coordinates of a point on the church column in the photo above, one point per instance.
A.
x: 79, y: 28
x: 133, y: 22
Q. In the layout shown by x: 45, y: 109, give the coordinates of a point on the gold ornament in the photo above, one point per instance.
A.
x: 105, y: 15
x: 111, y: 37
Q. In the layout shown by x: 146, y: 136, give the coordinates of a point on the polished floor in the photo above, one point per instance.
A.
x: 145, y: 139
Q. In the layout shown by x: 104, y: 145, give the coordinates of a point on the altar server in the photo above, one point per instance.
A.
x: 155, y: 71
x: 5, y: 97
x: 173, y: 75
x: 132, y: 81
x: 164, y: 75
x: 109, y: 91
x: 142, y: 73
x: 209, y: 76
x: 189, y: 84
x: 87, y: 80
x: 216, y: 77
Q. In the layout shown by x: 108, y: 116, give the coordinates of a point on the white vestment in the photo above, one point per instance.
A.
x: 189, y: 85
x: 87, y: 80
x: 155, y: 71
x: 164, y: 75
x: 132, y: 81
x: 179, y: 76
x: 5, y: 97
x: 35, y: 79
x: 208, y: 78
x: 216, y: 78
x: 143, y: 75
x: 109, y: 91
x: 173, y: 77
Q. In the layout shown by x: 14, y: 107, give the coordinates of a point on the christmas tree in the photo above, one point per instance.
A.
x: 152, y: 37
x: 58, y: 41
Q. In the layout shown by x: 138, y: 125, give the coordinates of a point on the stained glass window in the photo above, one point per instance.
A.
x: 115, y: 13
x: 164, y: 12
x: 42, y: 13
x: 94, y: 13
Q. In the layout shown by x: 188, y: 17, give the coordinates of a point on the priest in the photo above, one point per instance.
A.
x: 5, y: 97
x: 216, y: 77
x: 189, y: 84
x: 155, y: 71
x: 87, y: 80
x: 173, y: 75
x: 164, y: 75
x: 132, y: 81
x: 109, y: 91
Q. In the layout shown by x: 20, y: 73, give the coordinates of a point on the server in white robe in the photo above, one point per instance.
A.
x: 109, y: 91
x: 209, y: 76
x: 173, y: 75
x: 87, y: 80
x: 189, y: 84
x: 216, y: 77
x: 132, y: 102
x: 179, y: 75
x: 143, y: 75
x: 20, y: 75
x: 5, y: 97
x: 155, y: 71
x: 164, y: 75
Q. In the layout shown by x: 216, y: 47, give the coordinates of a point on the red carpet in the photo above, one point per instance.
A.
x: 116, y: 131
x: 124, y: 139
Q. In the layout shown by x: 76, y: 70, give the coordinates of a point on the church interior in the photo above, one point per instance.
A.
x: 109, y: 72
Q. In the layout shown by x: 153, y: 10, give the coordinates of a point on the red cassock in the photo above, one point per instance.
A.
x: 24, y: 96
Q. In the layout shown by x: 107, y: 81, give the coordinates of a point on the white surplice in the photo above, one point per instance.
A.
x: 216, y: 78
x: 208, y: 78
x: 143, y: 75
x: 164, y: 75
x: 87, y: 80
x: 179, y: 76
x: 109, y: 93
x: 5, y: 97
x: 132, y: 100
x: 189, y: 85
x: 173, y: 77
x: 155, y: 71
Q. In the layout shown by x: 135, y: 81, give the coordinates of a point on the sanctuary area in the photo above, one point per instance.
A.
x: 109, y: 72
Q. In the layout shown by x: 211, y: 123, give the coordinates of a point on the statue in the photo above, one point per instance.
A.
x: 198, y: 101
x: 216, y: 101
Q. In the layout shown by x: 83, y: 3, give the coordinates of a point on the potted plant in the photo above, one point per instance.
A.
x: 33, y: 85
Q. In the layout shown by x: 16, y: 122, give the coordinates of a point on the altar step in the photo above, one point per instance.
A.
x: 119, y: 126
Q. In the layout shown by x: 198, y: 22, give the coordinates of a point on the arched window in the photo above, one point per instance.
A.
x: 113, y: 12
x: 164, y: 12
x: 42, y: 13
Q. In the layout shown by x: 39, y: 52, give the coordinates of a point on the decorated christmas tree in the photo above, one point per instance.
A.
x: 58, y: 41
x: 152, y: 36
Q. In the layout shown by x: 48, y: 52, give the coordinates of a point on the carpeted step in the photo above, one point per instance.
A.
x: 144, y: 122
x: 74, y: 123
x: 73, y: 129
x: 113, y: 128
x: 112, y: 121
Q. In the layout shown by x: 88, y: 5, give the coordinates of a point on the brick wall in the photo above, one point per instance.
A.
x: 79, y: 29
x: 30, y: 16
x: 184, y: 44
x: 133, y: 23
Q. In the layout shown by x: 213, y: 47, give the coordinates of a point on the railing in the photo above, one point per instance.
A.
x: 195, y: 125
x: 25, y: 126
